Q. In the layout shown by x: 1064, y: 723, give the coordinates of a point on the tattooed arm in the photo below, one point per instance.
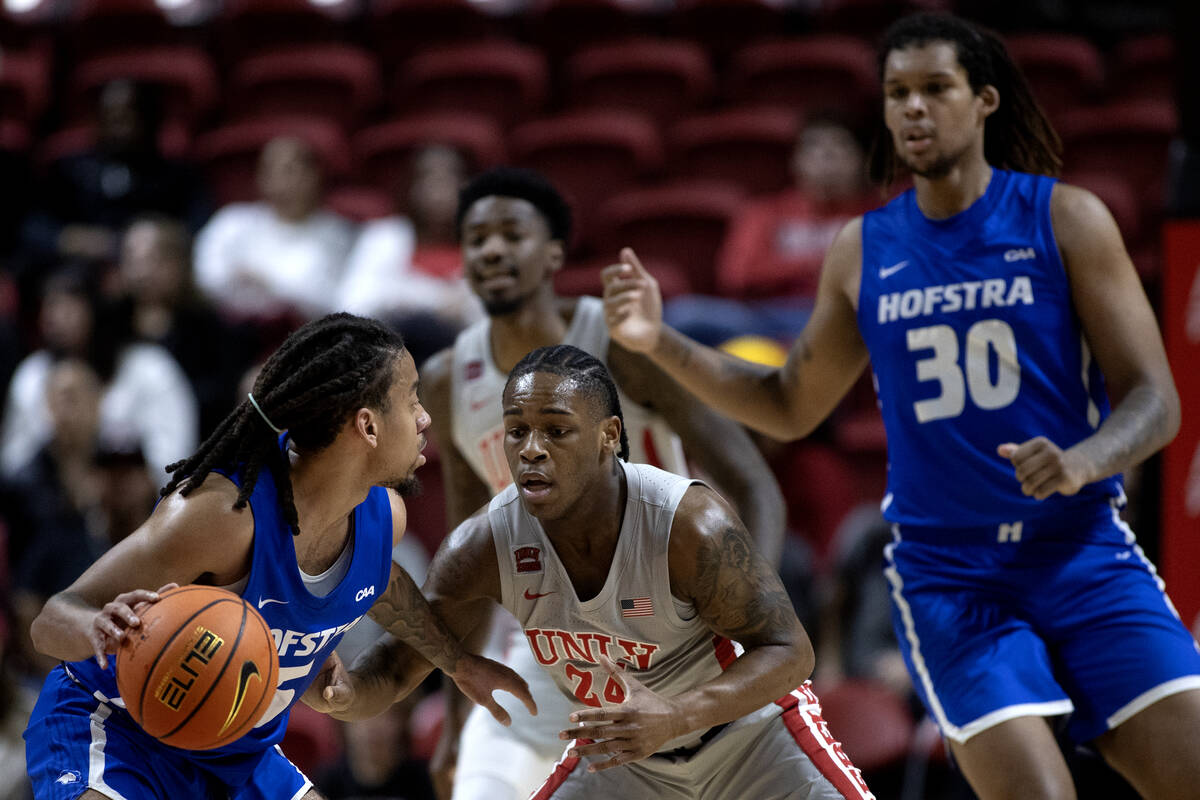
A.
x: 423, y: 637
x: 786, y: 402
x: 714, y: 565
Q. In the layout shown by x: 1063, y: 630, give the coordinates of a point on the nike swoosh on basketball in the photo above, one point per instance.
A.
x: 535, y: 595
x: 262, y: 601
x: 886, y: 272
x: 249, y: 670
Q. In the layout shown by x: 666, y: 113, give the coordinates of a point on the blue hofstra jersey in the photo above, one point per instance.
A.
x: 974, y: 342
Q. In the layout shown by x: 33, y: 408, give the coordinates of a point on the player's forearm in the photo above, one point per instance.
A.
x: 60, y: 630
x: 752, y: 394
x: 1145, y: 420
x: 761, y: 675
x: 386, y: 672
x: 405, y: 613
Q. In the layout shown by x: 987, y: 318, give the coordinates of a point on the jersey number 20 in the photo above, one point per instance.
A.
x: 983, y: 338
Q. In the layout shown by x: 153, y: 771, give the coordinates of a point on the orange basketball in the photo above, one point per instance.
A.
x: 200, y: 670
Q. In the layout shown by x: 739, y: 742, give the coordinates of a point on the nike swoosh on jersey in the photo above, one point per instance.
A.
x: 885, y: 272
x: 249, y: 670
x: 535, y: 595
x: 262, y: 601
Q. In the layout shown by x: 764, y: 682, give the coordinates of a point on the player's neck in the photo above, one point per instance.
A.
x: 537, y: 323
x: 594, y: 522
x: 325, y: 488
x: 940, y: 198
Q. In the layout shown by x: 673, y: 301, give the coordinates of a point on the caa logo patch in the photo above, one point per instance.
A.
x: 363, y: 593
x: 527, y: 559
x: 1020, y: 254
x: 70, y: 776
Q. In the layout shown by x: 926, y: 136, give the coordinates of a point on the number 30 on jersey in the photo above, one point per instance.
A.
x: 982, y: 340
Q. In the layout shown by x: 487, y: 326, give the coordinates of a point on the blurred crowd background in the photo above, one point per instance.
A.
x: 183, y: 182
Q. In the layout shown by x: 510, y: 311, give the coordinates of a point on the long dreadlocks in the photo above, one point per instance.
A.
x: 321, y: 374
x: 588, y: 372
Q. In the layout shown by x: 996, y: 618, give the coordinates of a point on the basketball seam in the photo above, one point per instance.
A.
x: 272, y: 677
x: 217, y: 679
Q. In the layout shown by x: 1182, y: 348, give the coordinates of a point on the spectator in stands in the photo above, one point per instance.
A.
x: 87, y: 199
x: 155, y: 278
x: 376, y: 763
x: 771, y: 259
x: 407, y: 268
x: 145, y: 395
x: 283, y: 254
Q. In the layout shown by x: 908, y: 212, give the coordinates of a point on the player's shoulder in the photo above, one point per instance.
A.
x: 1078, y: 216
x: 208, y: 513
x: 437, y: 368
x: 702, y: 513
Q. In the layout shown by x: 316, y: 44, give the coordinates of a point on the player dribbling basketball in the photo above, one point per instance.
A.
x: 320, y: 452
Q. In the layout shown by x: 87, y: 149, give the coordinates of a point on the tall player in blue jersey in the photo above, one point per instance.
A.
x: 994, y: 305
x: 321, y: 452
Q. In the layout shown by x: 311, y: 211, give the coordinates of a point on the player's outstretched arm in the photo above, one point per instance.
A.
x: 719, y: 445
x: 463, y: 580
x: 184, y: 539
x: 714, y: 565
x: 1123, y: 337
x: 786, y: 402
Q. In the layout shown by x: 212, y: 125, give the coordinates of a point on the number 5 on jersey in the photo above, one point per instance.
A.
x: 982, y: 340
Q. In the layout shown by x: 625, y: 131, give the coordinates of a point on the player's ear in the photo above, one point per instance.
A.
x: 556, y: 254
x: 610, y: 435
x: 366, y: 426
x: 989, y: 99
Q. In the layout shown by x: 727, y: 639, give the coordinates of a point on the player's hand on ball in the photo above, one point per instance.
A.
x: 1044, y: 468
x: 332, y: 690
x: 632, y: 304
x: 478, y: 677
x: 110, y: 624
x: 636, y: 728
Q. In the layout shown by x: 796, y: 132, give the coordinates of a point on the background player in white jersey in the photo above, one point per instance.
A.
x: 993, y: 303
x: 606, y: 563
x: 514, y: 226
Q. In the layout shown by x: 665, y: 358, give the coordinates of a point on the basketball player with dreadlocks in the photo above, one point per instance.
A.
x: 632, y: 585
x: 994, y: 305
x: 294, y: 503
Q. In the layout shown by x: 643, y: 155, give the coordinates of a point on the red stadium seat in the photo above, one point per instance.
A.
x: 246, y: 27
x: 723, y: 26
x: 184, y: 74
x: 872, y: 723
x: 104, y: 26
x: 24, y: 86
x: 360, y: 203
x: 580, y: 279
x: 384, y: 152
x: 869, y: 17
x: 809, y: 73
x: 661, y: 78
x: 1144, y: 68
x: 340, y: 83
x: 562, y: 26
x: 174, y: 141
x: 399, y: 28
x: 751, y: 147
x: 589, y: 155
x: 1128, y: 139
x: 229, y: 154
x: 425, y: 725
x: 683, y: 223
x: 1064, y: 71
x: 14, y: 136
x: 501, y: 79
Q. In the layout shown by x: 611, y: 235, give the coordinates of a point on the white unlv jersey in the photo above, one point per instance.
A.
x: 476, y: 387
x: 634, y: 619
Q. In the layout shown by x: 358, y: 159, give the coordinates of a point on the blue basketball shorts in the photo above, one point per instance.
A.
x: 75, y: 741
x: 1036, y: 618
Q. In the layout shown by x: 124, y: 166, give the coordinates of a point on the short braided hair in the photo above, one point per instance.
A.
x: 322, y: 373
x: 588, y: 372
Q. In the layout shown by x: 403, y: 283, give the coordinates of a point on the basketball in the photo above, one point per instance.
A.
x: 200, y: 671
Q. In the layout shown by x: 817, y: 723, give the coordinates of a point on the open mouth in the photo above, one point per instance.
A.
x: 534, y: 486
x: 918, y: 141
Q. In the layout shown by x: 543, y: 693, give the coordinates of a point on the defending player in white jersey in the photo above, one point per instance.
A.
x: 513, y: 226
x: 631, y: 585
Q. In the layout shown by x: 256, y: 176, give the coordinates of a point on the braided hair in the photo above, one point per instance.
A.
x: 588, y: 372
x: 319, y: 376
x: 1016, y: 135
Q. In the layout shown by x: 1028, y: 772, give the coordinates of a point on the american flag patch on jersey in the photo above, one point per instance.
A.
x: 637, y: 607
